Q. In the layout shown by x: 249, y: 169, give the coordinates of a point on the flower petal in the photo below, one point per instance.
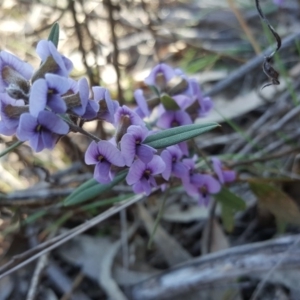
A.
x: 38, y: 97
x: 91, y: 154
x: 145, y: 153
x: 36, y: 143
x: 142, y: 103
x: 101, y: 172
x: 57, y: 104
x: 53, y: 122
x: 27, y: 128
x: 57, y: 83
x: 204, y: 199
x: 136, y: 172
x: 128, y: 148
x: 156, y: 165
x: 167, y: 158
x: 6, y: 131
x: 48, y: 139
x: 229, y: 175
x: 213, y: 185
x: 142, y: 186
x: 111, y: 153
x: 164, y: 69
x: 217, y: 166
x: 180, y: 170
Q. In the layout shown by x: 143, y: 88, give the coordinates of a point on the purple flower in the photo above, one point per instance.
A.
x: 48, y: 92
x: 141, y: 176
x: 172, y: 156
x: 108, y: 107
x: 131, y: 145
x: 125, y: 117
x: 173, y: 119
x: 160, y: 76
x: 91, y: 111
x: 14, y: 75
x: 183, y: 101
x: 10, y: 112
x: 199, y: 185
x: 77, y: 96
x: 124, y: 112
x: 205, y: 103
x: 223, y: 174
x: 206, y: 185
x: 142, y: 103
x: 52, y: 61
x: 188, y: 91
x: 278, y: 2
x: 42, y: 129
x: 103, y: 154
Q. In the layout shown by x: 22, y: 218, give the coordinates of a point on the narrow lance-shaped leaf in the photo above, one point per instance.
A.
x: 92, y: 190
x: 54, y: 34
x: 176, y: 135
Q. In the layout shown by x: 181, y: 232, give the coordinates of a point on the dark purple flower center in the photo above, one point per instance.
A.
x: 174, y: 159
x: 38, y: 128
x: 203, y: 190
x: 174, y: 123
x: 100, y: 157
x: 147, y: 173
x: 138, y: 142
x: 52, y: 91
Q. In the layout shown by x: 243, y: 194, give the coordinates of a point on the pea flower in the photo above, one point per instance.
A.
x: 141, y: 175
x: 142, y: 110
x: 42, y: 129
x: 125, y: 117
x: 172, y: 156
x: 173, y: 118
x: 199, y: 185
x: 132, y: 145
x: 103, y: 155
x: 223, y: 175
x: 205, y: 104
x: 160, y: 76
x: 205, y: 185
x: 77, y: 96
x: 48, y: 91
x: 52, y: 61
x: 10, y: 112
x: 14, y: 76
x: 108, y: 107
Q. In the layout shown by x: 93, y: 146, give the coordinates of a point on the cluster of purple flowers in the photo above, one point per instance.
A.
x: 39, y: 107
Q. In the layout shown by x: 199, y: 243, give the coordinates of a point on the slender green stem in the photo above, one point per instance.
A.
x: 11, y: 148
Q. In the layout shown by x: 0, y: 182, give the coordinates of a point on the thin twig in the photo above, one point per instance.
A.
x: 111, y: 8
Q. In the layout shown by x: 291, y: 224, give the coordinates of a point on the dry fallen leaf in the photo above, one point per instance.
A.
x: 277, y: 202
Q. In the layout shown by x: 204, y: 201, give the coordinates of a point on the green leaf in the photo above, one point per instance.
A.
x: 10, y: 148
x: 91, y: 182
x: 231, y: 200
x: 54, y: 34
x: 168, y: 102
x: 178, y: 134
x: 82, y: 194
x: 227, y: 215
